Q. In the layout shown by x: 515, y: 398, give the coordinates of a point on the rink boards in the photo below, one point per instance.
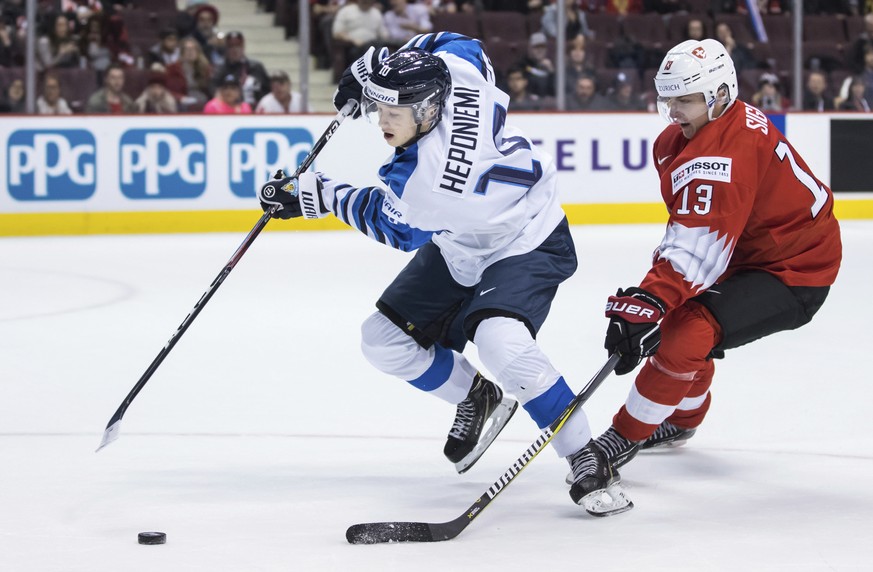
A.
x: 193, y: 173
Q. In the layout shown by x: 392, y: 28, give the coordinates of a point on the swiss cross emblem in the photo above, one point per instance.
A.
x: 699, y: 53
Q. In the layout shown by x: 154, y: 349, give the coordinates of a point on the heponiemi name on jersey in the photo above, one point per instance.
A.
x: 463, y: 140
x: 708, y: 168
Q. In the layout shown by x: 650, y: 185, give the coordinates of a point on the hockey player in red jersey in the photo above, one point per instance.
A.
x: 751, y: 248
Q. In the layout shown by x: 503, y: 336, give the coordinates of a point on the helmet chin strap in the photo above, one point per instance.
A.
x: 419, y: 133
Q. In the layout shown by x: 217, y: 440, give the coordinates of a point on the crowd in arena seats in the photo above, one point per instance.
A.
x: 147, y: 56
x: 614, y: 46
x: 142, y: 56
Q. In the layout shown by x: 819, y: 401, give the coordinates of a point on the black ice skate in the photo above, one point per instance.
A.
x: 616, y: 448
x: 478, y: 421
x: 668, y: 435
x: 596, y: 486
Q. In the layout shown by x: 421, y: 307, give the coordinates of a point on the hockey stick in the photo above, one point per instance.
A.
x: 379, y: 532
x: 111, y: 432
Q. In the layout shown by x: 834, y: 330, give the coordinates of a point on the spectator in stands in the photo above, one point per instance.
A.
x: 816, y: 97
x: 623, y: 7
x: 769, y: 95
x: 111, y: 97
x: 196, y: 88
x: 867, y: 69
x: 228, y: 98
x: 51, y: 102
x: 695, y: 29
x: 857, y: 100
x: 252, y: 75
x: 156, y: 98
x: 578, y: 64
x: 539, y: 68
x: 57, y: 48
x: 356, y: 27
x: 323, y: 13
x: 205, y: 20
x: 438, y: 6
x: 623, y: 97
x: 576, y: 23
x: 861, y: 44
x: 93, y: 48
x: 13, y: 99
x: 740, y: 54
x: 405, y: 20
x: 281, y: 98
x: 586, y: 98
x: 520, y: 99
x: 166, y: 51
x: 10, y: 48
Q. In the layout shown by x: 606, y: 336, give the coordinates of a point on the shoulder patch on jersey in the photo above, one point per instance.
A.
x: 394, y: 209
x: 708, y: 168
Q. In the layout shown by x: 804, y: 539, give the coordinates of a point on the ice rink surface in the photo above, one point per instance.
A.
x: 265, y: 434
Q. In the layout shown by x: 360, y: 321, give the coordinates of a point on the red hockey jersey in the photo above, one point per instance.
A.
x: 740, y: 198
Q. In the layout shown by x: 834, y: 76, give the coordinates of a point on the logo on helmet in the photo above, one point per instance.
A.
x: 668, y: 65
x: 699, y: 53
x: 382, y: 95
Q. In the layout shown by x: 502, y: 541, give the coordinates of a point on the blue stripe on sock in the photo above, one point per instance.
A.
x: 438, y: 372
x: 546, y: 408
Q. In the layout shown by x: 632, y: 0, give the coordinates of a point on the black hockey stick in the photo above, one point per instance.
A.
x: 111, y: 432
x: 379, y: 532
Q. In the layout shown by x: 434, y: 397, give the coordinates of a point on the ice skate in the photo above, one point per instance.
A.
x: 668, y: 435
x: 478, y: 421
x: 616, y: 448
x: 596, y: 486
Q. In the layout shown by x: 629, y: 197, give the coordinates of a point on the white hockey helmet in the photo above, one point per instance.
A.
x: 696, y: 67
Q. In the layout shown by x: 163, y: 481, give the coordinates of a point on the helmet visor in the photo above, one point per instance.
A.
x: 683, y: 109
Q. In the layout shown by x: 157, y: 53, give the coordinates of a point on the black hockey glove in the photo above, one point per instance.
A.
x: 294, y: 197
x: 281, y: 192
x: 351, y: 84
x: 633, y: 326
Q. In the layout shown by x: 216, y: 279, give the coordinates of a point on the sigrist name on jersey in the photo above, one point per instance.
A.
x: 463, y: 140
x: 708, y: 168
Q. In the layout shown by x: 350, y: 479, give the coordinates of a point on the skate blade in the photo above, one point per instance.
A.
x: 606, y: 502
x: 662, y: 447
x: 495, y: 424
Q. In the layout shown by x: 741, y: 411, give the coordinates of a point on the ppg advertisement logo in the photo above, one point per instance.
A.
x: 51, y: 165
x: 256, y: 155
x: 162, y: 164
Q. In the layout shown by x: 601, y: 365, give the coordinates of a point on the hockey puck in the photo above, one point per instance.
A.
x: 152, y: 538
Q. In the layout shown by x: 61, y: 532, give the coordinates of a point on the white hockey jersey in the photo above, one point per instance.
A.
x: 477, y: 188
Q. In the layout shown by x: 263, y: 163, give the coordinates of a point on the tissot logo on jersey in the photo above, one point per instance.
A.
x: 44, y: 165
x: 162, y: 164
x: 707, y: 168
x: 256, y: 154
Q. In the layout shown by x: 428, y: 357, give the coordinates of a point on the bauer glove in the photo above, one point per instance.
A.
x: 633, y: 329
x: 351, y: 84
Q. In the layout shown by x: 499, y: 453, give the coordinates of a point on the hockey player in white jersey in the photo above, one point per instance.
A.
x: 478, y: 202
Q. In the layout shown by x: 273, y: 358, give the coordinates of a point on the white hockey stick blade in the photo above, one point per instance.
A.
x: 496, y: 422
x: 110, y: 435
x: 612, y: 500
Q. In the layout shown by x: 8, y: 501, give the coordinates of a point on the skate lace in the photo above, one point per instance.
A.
x: 613, y: 444
x: 463, y: 419
x: 665, y: 429
x: 583, y: 464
